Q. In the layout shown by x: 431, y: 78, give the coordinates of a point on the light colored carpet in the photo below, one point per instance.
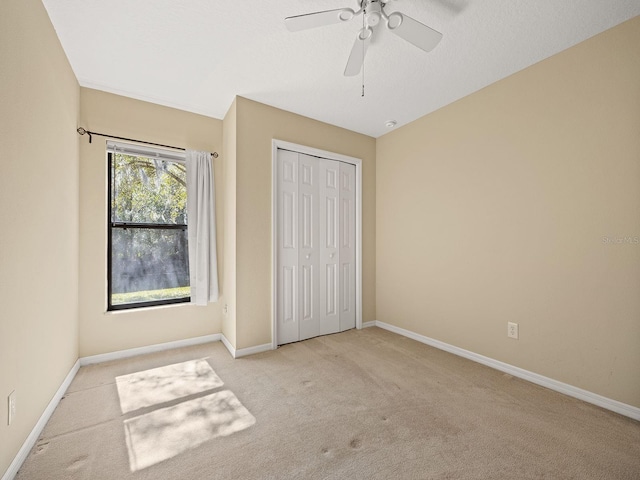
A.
x: 163, y: 384
x: 363, y: 404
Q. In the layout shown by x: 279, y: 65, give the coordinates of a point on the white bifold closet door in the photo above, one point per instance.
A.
x: 316, y: 229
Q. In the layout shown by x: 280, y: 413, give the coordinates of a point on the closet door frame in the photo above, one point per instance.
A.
x: 280, y: 144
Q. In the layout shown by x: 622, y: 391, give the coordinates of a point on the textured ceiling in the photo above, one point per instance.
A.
x: 197, y: 55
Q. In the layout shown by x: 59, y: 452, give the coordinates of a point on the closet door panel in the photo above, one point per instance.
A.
x: 347, y: 237
x: 287, y: 237
x: 329, y: 246
x: 308, y: 258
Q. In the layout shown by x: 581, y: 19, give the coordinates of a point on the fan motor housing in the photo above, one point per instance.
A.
x: 372, y: 12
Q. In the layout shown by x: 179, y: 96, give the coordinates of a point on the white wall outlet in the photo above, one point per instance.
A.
x: 512, y: 330
x: 12, y: 407
x: 225, y: 310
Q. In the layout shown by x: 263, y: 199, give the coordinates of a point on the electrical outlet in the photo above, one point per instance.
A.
x: 12, y: 407
x: 512, y: 330
x: 225, y: 310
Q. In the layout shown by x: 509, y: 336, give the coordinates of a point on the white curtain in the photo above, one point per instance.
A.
x: 201, y: 206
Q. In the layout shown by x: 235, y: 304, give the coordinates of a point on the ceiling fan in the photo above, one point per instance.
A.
x: 414, y: 32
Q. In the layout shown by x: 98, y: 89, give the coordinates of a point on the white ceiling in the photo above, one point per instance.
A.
x: 197, y: 55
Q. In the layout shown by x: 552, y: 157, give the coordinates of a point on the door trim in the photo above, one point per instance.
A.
x: 315, y: 152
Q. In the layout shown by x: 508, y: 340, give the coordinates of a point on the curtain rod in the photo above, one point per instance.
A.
x: 83, y: 131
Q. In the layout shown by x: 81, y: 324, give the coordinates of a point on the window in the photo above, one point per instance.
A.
x: 147, y: 255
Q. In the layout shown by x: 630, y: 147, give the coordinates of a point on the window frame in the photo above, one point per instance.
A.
x: 138, y: 151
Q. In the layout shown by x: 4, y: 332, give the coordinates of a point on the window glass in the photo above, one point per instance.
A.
x: 148, y: 251
x: 146, y: 190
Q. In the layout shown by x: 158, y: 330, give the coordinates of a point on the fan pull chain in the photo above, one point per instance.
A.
x: 363, y: 69
x: 363, y: 23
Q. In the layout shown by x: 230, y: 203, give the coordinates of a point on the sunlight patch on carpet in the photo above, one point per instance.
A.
x: 167, y: 432
x: 158, y: 385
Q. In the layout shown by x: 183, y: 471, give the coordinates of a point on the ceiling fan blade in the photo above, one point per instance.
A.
x: 318, y: 19
x: 358, y: 52
x: 423, y: 37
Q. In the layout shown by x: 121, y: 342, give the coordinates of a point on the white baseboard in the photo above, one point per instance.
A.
x: 372, y: 323
x: 227, y: 344
x: 132, y: 352
x: 579, y: 393
x: 244, y: 352
x: 37, y: 430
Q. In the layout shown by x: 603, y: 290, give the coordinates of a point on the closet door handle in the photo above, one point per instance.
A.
x: 307, y: 256
x: 331, y: 255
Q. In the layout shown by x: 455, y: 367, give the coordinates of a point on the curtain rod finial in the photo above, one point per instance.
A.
x: 82, y: 131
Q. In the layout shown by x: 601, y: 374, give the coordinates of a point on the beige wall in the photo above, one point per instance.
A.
x: 102, y: 332
x: 257, y: 125
x: 229, y: 139
x: 39, y: 99
x: 494, y: 209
